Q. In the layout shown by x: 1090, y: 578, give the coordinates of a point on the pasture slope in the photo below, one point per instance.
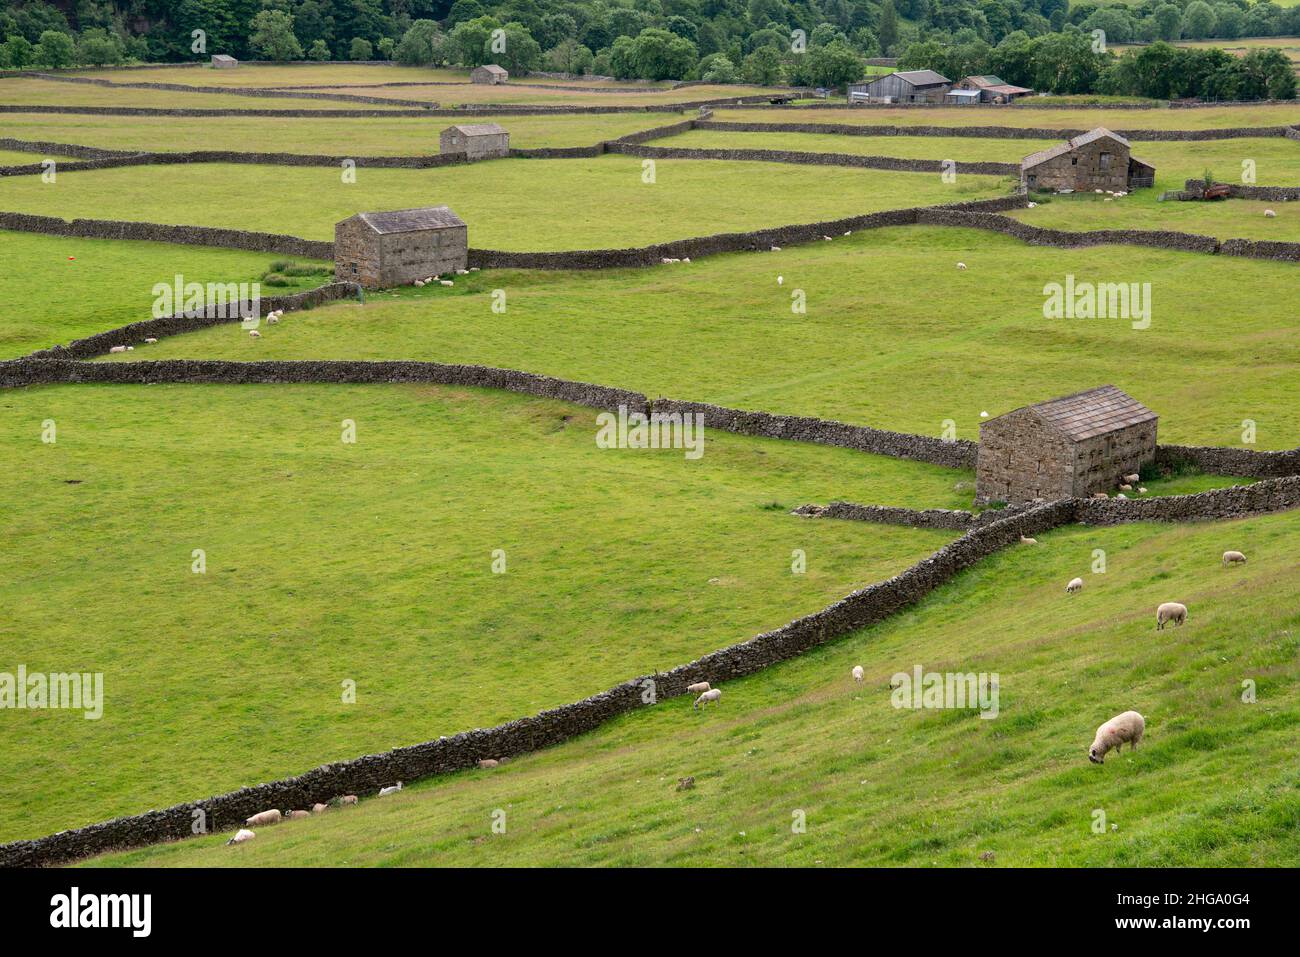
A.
x: 1214, y: 783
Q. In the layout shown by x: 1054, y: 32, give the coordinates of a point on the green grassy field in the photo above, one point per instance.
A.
x: 372, y: 562
x: 31, y: 91
x: 508, y: 204
x: 400, y: 136
x: 72, y: 288
x: 894, y: 335
x: 1233, y: 218
x: 1200, y: 118
x: 1213, y: 784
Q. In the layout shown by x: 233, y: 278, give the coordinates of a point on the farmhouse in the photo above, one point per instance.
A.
x: 491, y: 73
x: 222, y: 62
x: 385, y: 249
x: 476, y: 140
x: 911, y: 86
x: 1064, y: 448
x: 1098, y: 159
x: 991, y: 89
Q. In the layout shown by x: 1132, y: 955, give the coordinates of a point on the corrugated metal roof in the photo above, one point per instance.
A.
x: 1008, y: 88
x: 411, y: 220
x: 478, y: 129
x: 1093, y: 412
x: 986, y: 80
x: 919, y: 77
x: 967, y: 93
x: 1083, y: 139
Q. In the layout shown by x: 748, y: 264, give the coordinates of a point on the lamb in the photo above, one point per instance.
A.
x: 150, y: 341
x: 1233, y: 558
x: 1132, y: 478
x: 298, y: 815
x: 1170, y: 611
x: 780, y: 280
x: 242, y: 835
x: 272, y: 319
x: 347, y: 800
x: 319, y: 808
x: 1100, y: 495
x: 384, y: 792
x: 1121, y: 495
x: 117, y: 349
x: 1113, y: 733
x: 487, y: 763
x: 961, y: 265
x: 418, y: 283
x: 1033, y: 205
x: 1142, y: 490
x: 446, y: 282
x: 698, y: 688
x: 254, y: 334
x: 1126, y: 487
x: 1269, y: 213
x: 713, y: 694
x: 857, y: 673
x: 1028, y: 541
x: 1076, y: 584
x: 776, y: 249
x: 265, y: 817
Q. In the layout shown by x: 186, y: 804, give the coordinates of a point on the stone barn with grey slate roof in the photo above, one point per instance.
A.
x: 476, y: 140
x: 394, y: 248
x: 489, y: 73
x: 223, y: 62
x: 1098, y: 159
x: 1064, y: 448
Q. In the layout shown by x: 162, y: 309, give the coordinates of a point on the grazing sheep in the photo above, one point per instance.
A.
x: 776, y: 249
x: 698, y: 688
x: 242, y: 835
x: 1269, y: 213
x: 347, y: 800
x: 1232, y: 558
x: 487, y: 763
x: 1113, y: 733
x: 265, y: 817
x: 446, y: 282
x: 384, y: 792
x: 848, y: 232
x: 827, y: 238
x: 857, y: 673
x: 1132, y: 478
x: 1170, y: 611
x: 686, y: 259
x: 1076, y: 584
x: 1126, y: 487
x: 272, y: 319
x: 1033, y: 205
x: 713, y: 694
x: 1121, y: 495
x: 150, y: 341
x: 961, y: 265
x: 319, y: 808
x: 1096, y: 191
x: 780, y: 280
x: 254, y: 334
x: 1028, y: 541
x: 118, y: 349
x: 298, y: 815
x: 462, y: 272
x: 1100, y: 495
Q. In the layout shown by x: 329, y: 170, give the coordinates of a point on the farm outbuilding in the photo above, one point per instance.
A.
x: 992, y: 89
x: 909, y: 86
x: 476, y: 140
x: 489, y: 73
x: 1098, y: 159
x: 222, y: 62
x: 1070, y: 447
x: 393, y: 248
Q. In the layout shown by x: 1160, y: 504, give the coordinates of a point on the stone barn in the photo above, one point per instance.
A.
x: 394, y: 248
x: 1064, y: 448
x: 490, y: 73
x: 1098, y: 159
x: 477, y: 140
x: 222, y: 62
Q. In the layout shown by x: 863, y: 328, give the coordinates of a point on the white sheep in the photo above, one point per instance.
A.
x: 1269, y: 213
x: 151, y: 341
x: 776, y: 249
x: 462, y: 272
x: 857, y: 673
x: 1028, y: 541
x: 827, y: 238
x: 487, y: 763
x: 848, y: 232
x: 698, y: 688
x: 254, y: 334
x: 1132, y: 478
x: 1033, y: 205
x: 1233, y: 558
x: 242, y: 835
x: 117, y: 349
x: 272, y: 319
x: 1170, y: 611
x: 1142, y: 490
x: 418, y: 283
x: 713, y: 694
x: 1100, y: 495
x: 1121, y: 495
x: 686, y: 259
x: 1076, y: 584
x: 780, y: 280
x: 384, y: 792
x: 319, y: 808
x: 1126, y: 487
x: 1113, y: 733
x: 961, y: 265
x: 347, y: 800
x: 446, y: 282
x: 265, y: 817
x: 298, y: 815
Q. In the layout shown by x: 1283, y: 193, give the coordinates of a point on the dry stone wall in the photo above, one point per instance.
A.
x: 987, y: 132
x: 1250, y: 463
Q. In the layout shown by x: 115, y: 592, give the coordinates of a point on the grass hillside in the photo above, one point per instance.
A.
x: 894, y: 335
x: 1229, y: 219
x: 1214, y: 783
x: 508, y: 204
x: 372, y: 562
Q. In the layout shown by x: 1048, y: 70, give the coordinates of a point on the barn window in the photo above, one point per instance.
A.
x: 1074, y: 161
x: 1105, y: 160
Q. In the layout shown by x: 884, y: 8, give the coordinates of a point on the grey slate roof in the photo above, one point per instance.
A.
x: 493, y: 68
x: 411, y: 220
x: 1060, y: 149
x: 920, y: 77
x: 1092, y: 412
x: 478, y: 129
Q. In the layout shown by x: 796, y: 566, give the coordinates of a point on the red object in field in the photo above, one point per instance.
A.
x: 72, y: 257
x: 1218, y: 191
